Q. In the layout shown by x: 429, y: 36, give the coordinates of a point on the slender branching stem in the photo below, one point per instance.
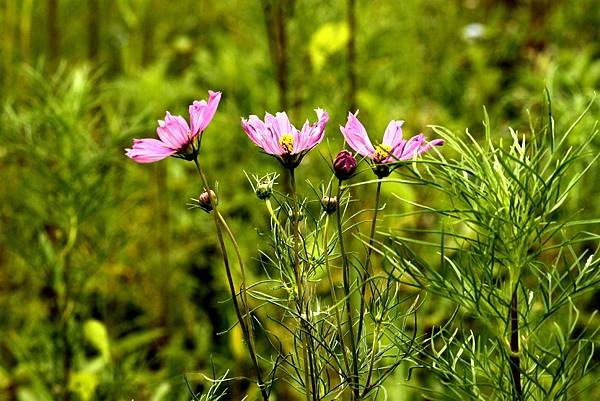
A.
x: 64, y: 306
x: 372, y: 359
x: 243, y: 289
x: 515, y: 359
x: 64, y: 324
x: 245, y: 328
x: 300, y: 301
x: 354, y: 384
x: 296, y: 233
x: 338, y: 318
x: 274, y: 216
x: 378, y: 326
x: 367, y: 264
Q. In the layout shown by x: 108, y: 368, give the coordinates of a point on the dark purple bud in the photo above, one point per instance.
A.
x: 344, y: 165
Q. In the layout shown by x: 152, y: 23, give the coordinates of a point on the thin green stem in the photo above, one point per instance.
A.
x: 64, y: 324
x: 243, y: 289
x: 354, y: 382
x: 245, y: 329
x: 296, y: 229
x: 385, y: 297
x: 64, y: 305
x: 515, y: 359
x: 367, y: 264
x: 274, y: 216
x: 300, y: 301
x: 338, y: 318
x: 372, y: 361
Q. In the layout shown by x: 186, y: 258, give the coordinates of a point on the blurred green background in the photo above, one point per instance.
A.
x: 105, y: 273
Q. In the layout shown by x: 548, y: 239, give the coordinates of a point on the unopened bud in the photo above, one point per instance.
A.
x: 381, y: 170
x: 344, y: 165
x: 264, y: 190
x: 207, y: 200
x: 329, y: 203
x: 264, y: 185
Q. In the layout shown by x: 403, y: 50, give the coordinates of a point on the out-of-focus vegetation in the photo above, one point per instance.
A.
x: 109, y: 287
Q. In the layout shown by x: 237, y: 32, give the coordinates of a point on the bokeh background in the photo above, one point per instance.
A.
x: 105, y: 273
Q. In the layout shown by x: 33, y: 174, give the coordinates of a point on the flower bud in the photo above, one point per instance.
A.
x: 344, y: 165
x: 330, y: 204
x: 381, y: 170
x: 264, y: 190
x: 207, y: 200
x: 264, y: 185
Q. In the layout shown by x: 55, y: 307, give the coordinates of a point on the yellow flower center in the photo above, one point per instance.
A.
x: 381, y: 152
x: 287, y: 142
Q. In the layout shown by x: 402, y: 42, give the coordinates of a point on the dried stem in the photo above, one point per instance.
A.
x: 352, y: 55
x: 277, y: 39
x: 93, y: 29
x: 53, y: 32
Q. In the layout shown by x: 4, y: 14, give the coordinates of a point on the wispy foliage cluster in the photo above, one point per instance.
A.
x: 512, y: 262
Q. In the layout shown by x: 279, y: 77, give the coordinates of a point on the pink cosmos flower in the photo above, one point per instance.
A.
x: 176, y: 136
x: 391, y: 149
x: 278, y: 137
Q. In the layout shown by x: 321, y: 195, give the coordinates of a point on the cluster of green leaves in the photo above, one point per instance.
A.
x: 506, y: 239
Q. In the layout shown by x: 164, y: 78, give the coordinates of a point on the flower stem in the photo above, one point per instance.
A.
x: 515, y: 359
x: 354, y: 381
x: 243, y: 289
x: 367, y: 264
x: 64, y: 304
x: 300, y: 301
x: 296, y: 229
x: 246, y: 328
x: 372, y: 362
x: 338, y: 319
x: 274, y: 217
